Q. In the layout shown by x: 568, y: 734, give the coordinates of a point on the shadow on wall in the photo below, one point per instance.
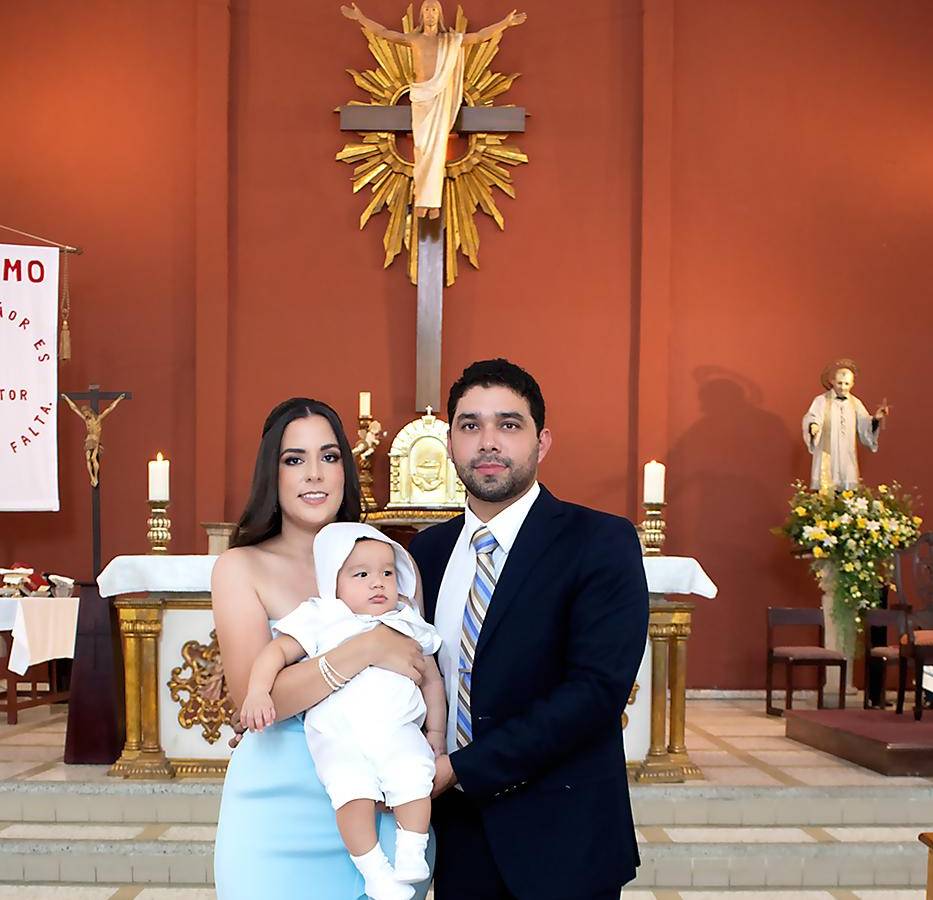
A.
x: 730, y: 475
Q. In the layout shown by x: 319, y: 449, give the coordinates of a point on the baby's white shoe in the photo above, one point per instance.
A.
x: 379, y: 880
x: 385, y: 886
x: 411, y: 867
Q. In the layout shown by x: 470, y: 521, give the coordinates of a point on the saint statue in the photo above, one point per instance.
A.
x: 436, y: 93
x: 92, y: 421
x: 833, y: 424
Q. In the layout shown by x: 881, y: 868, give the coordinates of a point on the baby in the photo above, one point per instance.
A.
x: 365, y: 738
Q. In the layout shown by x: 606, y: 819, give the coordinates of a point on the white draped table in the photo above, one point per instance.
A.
x: 43, y: 628
x: 172, y: 594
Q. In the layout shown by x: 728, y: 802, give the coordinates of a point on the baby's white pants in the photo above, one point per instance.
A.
x: 396, y: 766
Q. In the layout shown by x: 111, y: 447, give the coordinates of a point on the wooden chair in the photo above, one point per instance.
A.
x: 12, y: 700
x: 888, y: 653
x: 800, y: 655
x: 913, y: 576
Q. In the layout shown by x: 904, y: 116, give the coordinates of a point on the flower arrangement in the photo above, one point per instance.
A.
x: 852, y: 536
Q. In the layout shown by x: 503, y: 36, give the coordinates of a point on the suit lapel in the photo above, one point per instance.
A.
x: 540, y: 528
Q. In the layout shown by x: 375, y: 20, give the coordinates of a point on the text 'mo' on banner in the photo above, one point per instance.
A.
x: 28, y: 378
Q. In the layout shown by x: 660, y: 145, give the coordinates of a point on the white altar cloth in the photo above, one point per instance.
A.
x: 192, y: 574
x: 155, y: 574
x: 678, y: 575
x: 43, y: 628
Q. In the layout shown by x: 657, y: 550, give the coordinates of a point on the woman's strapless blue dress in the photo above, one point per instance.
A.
x: 277, y: 837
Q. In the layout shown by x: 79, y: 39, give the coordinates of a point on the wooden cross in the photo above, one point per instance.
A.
x: 397, y: 119
x: 92, y: 396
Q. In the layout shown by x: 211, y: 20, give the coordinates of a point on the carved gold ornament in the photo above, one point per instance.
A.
x: 207, y: 703
x: 469, y: 180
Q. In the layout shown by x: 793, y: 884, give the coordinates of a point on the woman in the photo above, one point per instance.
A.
x: 277, y: 836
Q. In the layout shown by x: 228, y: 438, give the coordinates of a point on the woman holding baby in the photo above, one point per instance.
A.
x: 278, y: 835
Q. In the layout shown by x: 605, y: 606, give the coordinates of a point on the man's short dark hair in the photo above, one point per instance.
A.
x: 498, y: 373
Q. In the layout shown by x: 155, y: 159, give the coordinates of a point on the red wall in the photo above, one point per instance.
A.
x: 721, y: 196
x: 310, y: 288
x: 98, y: 101
x: 801, y: 219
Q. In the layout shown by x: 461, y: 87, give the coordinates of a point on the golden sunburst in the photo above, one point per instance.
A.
x: 469, y: 180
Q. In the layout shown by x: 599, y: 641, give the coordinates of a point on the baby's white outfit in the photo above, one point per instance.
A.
x: 365, y: 739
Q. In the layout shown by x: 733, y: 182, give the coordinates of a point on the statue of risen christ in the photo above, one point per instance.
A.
x: 437, y: 91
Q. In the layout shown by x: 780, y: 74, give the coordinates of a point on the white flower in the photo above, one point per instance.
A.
x: 877, y: 505
x: 859, y: 504
x: 873, y: 525
x: 830, y: 540
x: 845, y: 519
x: 850, y: 544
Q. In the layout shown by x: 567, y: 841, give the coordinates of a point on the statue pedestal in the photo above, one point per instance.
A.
x: 834, y: 642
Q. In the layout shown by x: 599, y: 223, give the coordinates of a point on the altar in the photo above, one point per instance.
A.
x: 176, y: 704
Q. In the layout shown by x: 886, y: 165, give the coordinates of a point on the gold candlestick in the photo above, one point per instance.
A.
x: 370, y: 435
x: 652, y: 529
x: 159, y: 525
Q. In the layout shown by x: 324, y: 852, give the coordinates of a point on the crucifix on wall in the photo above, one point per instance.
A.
x: 92, y: 416
x: 432, y: 201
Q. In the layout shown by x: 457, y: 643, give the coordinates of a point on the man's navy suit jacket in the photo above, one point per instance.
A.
x: 556, y: 659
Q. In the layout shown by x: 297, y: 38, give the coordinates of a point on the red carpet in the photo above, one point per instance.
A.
x: 880, y: 740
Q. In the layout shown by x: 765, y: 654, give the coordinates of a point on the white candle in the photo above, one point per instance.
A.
x: 654, y: 482
x: 158, y: 479
x: 366, y: 403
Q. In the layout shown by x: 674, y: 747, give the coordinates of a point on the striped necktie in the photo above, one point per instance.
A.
x: 484, y: 583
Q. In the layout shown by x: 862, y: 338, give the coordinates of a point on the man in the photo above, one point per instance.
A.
x: 543, y: 609
x: 831, y: 425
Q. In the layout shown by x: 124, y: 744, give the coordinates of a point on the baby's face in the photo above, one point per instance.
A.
x: 367, y: 581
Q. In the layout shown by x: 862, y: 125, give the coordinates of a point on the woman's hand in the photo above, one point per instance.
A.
x: 395, y: 652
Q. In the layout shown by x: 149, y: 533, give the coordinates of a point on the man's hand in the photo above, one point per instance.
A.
x: 444, y: 776
x: 351, y: 12
x: 516, y: 18
x: 883, y: 411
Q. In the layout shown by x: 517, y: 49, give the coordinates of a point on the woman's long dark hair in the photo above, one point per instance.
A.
x: 262, y: 518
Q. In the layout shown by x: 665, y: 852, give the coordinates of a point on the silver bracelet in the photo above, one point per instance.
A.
x: 325, y: 674
x: 333, y: 678
x: 341, y: 679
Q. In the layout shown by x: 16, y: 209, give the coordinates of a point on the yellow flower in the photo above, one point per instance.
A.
x: 882, y: 488
x: 821, y: 524
x: 818, y: 552
x: 800, y: 511
x: 861, y: 522
x: 917, y: 521
x: 848, y: 495
x: 849, y: 567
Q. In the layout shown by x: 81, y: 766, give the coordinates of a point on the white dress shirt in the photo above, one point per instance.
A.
x: 456, y: 584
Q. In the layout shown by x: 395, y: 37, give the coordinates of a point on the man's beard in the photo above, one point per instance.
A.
x: 495, y: 489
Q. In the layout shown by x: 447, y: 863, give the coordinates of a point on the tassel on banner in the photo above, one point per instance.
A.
x: 64, y: 342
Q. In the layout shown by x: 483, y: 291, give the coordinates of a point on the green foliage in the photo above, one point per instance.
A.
x: 854, y: 534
